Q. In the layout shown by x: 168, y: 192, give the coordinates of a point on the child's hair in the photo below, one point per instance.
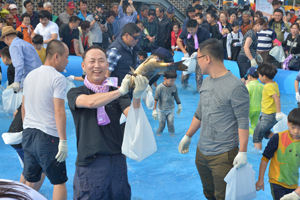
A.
x: 140, y: 22
x: 267, y: 69
x: 25, y: 15
x: 200, y: 15
x: 176, y: 24
x: 2, y: 20
x: 37, y: 39
x: 170, y: 74
x: 143, y: 53
x: 294, y: 117
x: 235, y: 23
x: 5, y: 53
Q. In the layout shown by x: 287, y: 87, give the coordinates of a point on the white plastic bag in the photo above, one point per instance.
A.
x: 148, y: 98
x: 240, y: 183
x: 11, y: 101
x: 281, y: 125
x: 278, y: 53
x: 191, y: 64
x: 70, y: 85
x: 138, y: 140
x: 122, y: 119
x: 12, y: 138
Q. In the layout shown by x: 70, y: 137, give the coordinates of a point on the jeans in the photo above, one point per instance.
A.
x: 279, y: 191
x: 164, y: 115
x: 263, y: 127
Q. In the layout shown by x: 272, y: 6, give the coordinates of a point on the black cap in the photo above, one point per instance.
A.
x: 41, y: 4
x: 100, y: 5
x: 164, y: 54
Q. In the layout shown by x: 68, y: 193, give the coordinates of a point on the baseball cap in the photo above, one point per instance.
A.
x: 100, y: 5
x: 12, y: 6
x: 41, y: 4
x: 151, y: 12
x: 251, y: 71
x: 71, y: 5
x: 170, y: 9
x: 164, y: 54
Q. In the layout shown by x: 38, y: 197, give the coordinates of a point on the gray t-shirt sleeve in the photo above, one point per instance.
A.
x: 198, y: 112
x: 157, y: 94
x: 176, y: 97
x: 240, y: 103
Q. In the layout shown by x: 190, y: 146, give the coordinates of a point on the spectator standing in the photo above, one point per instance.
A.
x: 97, y: 28
x: 130, y: 16
x: 171, y: 13
x: 225, y: 28
x: 150, y: 32
x: 279, y: 24
x: 34, y: 16
x: 83, y: 13
x: 2, y: 24
x: 85, y: 39
x: 26, y: 28
x: 110, y: 18
x: 232, y: 17
x: 144, y: 12
x: 293, y: 16
x: 201, y: 22
x: 164, y: 27
x: 116, y: 23
x: 234, y: 41
x: 246, y: 23
x: 69, y: 34
x: 15, y: 21
x: 214, y: 28
x: 40, y: 6
x: 64, y: 17
x: 176, y: 31
x: 190, y: 15
x: 53, y: 18
x: 277, y: 5
x: 46, y: 28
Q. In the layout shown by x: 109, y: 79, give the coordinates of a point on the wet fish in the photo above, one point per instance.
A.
x: 152, y: 66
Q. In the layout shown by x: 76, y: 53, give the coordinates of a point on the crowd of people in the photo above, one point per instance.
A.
x: 114, y: 41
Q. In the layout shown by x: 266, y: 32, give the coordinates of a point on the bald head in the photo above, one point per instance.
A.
x: 55, y: 46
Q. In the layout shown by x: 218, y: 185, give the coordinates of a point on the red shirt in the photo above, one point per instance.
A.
x: 293, y: 19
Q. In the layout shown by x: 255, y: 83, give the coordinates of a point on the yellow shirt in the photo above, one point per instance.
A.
x: 42, y: 54
x: 268, y: 105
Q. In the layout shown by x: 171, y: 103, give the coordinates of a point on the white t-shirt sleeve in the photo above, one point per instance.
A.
x: 37, y: 29
x: 54, y: 29
x: 60, y: 85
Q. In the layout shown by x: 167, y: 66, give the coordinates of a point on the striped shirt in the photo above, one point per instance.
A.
x: 265, y: 39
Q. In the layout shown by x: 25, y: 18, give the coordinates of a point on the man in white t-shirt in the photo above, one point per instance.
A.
x: 46, y: 28
x: 44, y: 121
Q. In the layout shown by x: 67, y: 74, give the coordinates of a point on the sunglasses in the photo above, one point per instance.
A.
x: 135, y: 38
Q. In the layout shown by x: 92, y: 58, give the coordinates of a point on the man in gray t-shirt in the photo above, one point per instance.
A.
x: 222, y: 113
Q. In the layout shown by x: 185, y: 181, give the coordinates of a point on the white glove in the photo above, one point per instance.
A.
x: 291, y: 196
x: 279, y: 116
x: 173, y: 47
x: 155, y: 115
x: 298, y: 96
x: 71, y: 78
x: 0, y: 76
x: 240, y: 160
x: 194, y: 55
x: 125, y: 85
x: 62, y: 154
x: 184, y: 144
x: 179, y: 109
x: 253, y: 63
x: 16, y: 86
x: 141, y: 83
x: 186, y: 55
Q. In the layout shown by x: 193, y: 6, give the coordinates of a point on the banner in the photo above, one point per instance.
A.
x: 265, y: 6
